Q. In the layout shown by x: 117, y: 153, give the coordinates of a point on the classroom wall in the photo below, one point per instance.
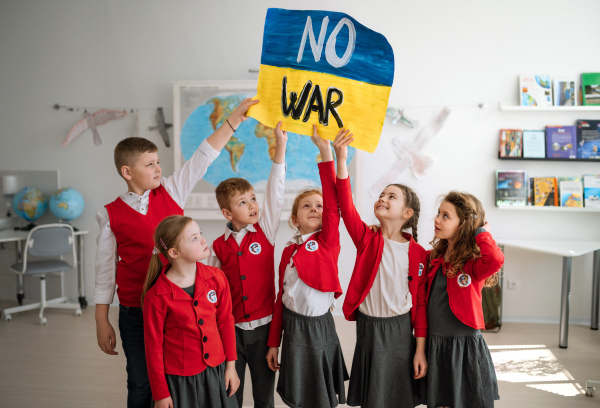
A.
x: 112, y: 54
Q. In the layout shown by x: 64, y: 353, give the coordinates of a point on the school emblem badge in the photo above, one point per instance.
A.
x: 312, y: 245
x: 463, y: 280
x: 421, y: 268
x: 255, y: 248
x: 212, y: 296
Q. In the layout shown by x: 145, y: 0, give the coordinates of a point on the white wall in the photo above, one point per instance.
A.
x: 109, y: 53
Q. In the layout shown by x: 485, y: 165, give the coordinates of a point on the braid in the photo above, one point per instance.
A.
x: 411, y: 200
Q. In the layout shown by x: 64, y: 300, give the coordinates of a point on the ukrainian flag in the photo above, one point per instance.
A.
x: 324, y: 68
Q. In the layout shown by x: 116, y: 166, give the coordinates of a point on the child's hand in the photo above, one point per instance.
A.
x: 164, y: 403
x: 374, y: 228
x: 341, y: 142
x: 107, y: 341
x: 272, y: 360
x: 323, y: 144
x: 487, y: 226
x: 280, y: 142
x: 420, y: 364
x: 232, y: 381
x: 239, y: 114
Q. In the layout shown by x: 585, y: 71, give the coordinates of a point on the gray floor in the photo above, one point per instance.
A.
x: 60, y: 364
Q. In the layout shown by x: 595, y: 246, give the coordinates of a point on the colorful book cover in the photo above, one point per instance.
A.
x: 591, y: 190
x: 588, y: 139
x: 534, y: 144
x: 571, y: 192
x: 511, y: 143
x: 535, y: 90
x: 544, y: 191
x: 564, y: 92
x: 511, y: 188
x: 590, y: 88
x: 561, y: 142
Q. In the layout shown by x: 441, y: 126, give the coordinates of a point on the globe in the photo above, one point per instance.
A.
x: 30, y: 203
x: 67, y: 204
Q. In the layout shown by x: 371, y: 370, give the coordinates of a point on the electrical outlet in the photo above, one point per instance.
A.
x: 511, y: 284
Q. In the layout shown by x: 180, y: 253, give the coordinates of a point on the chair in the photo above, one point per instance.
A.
x: 48, y: 241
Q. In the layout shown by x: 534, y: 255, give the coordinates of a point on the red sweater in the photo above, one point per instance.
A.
x: 250, y: 271
x: 133, y: 232
x: 182, y: 335
x: 316, y: 259
x: 464, y: 292
x: 369, y: 249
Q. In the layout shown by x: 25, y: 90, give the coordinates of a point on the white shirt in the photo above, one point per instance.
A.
x: 179, y: 186
x: 268, y: 219
x: 390, y: 296
x: 297, y: 295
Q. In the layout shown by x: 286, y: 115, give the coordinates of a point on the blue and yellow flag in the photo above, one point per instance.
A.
x: 324, y: 68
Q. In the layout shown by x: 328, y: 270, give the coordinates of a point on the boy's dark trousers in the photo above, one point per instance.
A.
x: 252, y: 350
x: 131, y: 326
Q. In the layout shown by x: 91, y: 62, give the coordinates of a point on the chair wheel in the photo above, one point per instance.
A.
x: 589, y: 391
x: 7, y: 317
x: 78, y: 312
x: 43, y: 321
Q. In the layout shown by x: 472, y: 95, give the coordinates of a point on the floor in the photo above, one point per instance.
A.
x: 60, y: 364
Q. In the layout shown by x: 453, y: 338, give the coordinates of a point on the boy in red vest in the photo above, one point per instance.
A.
x: 125, y: 241
x: 245, y: 254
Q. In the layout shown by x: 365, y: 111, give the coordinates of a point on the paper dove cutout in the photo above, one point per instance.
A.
x: 162, y: 127
x: 90, y: 121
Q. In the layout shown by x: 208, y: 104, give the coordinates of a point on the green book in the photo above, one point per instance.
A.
x: 590, y: 88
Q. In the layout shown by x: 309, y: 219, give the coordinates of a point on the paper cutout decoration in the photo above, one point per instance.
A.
x: 162, y: 127
x: 90, y: 121
x: 324, y: 68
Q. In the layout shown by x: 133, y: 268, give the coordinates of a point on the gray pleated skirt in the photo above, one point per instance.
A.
x: 313, y: 370
x: 461, y: 372
x: 382, y: 367
x: 206, y: 389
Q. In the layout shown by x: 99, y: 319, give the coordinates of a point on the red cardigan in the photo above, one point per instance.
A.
x: 465, y: 295
x: 182, y: 335
x: 317, y: 268
x: 369, y: 248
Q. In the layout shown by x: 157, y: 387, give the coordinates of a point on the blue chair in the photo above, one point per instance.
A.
x: 46, y: 243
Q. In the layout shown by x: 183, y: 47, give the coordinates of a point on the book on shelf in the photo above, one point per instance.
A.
x: 591, y: 190
x: 564, y: 92
x: 545, y: 192
x: 590, y: 88
x: 535, y: 90
x: 570, y: 190
x: 511, y: 188
x: 511, y: 143
x: 534, y: 144
x: 588, y: 139
x: 561, y: 142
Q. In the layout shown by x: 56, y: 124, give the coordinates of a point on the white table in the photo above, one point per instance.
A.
x: 10, y: 235
x: 568, y: 250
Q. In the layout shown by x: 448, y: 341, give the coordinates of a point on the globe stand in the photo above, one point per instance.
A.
x: 63, y: 221
x: 28, y: 227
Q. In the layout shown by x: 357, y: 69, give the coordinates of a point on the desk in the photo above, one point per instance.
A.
x: 19, y: 237
x: 566, y: 249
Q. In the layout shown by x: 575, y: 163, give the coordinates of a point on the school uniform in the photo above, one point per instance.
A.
x: 185, y: 336
x: 387, y: 298
x: 313, y: 370
x: 456, y: 349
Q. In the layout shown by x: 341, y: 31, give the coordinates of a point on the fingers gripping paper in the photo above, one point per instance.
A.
x: 324, y: 68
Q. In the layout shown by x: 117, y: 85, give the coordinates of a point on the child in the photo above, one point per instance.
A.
x: 464, y: 258
x: 125, y: 240
x: 386, y: 295
x: 188, y: 326
x: 312, y: 367
x: 245, y: 254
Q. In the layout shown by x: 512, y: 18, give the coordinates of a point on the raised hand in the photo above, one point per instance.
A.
x: 323, y: 144
x: 341, y: 142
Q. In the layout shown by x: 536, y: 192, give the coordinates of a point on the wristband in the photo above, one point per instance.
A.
x: 227, y: 120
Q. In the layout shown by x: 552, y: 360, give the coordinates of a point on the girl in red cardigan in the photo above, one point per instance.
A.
x: 188, y: 326
x: 312, y: 370
x: 386, y: 296
x: 463, y: 260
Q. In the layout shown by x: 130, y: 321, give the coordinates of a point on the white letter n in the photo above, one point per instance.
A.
x: 316, y: 48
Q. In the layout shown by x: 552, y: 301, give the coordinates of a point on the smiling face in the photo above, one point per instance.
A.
x: 243, y: 209
x: 191, y: 246
x: 390, y: 205
x: 309, y: 217
x: 145, y: 174
x: 447, y: 222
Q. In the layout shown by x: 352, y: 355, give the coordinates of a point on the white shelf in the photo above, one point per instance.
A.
x: 550, y: 208
x: 515, y: 108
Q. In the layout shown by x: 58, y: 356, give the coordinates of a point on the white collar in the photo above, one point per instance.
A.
x: 300, y: 239
x: 229, y: 230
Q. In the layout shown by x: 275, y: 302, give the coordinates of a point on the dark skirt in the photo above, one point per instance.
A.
x: 382, y: 368
x: 206, y: 389
x: 461, y: 372
x: 313, y: 370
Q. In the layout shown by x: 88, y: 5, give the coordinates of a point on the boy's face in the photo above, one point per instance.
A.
x: 145, y: 174
x: 243, y: 209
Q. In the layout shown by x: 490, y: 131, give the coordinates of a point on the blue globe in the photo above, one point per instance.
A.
x: 67, y: 204
x: 30, y: 203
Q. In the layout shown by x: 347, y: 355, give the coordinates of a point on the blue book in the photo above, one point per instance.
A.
x: 588, y: 139
x: 561, y: 142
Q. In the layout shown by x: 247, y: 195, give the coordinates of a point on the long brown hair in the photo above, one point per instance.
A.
x: 411, y: 200
x: 166, y: 235
x: 294, y: 214
x: 471, y: 216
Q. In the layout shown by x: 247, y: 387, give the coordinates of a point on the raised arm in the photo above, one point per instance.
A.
x: 492, y: 257
x: 219, y: 139
x: 330, y: 232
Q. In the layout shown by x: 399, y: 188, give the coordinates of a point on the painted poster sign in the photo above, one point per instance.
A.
x: 324, y: 68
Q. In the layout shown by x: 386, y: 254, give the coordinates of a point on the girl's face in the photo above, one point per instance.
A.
x: 192, y: 246
x: 446, y: 222
x: 390, y: 205
x: 310, y: 214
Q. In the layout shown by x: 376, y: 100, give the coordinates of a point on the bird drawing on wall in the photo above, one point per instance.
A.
x: 162, y: 127
x: 90, y: 121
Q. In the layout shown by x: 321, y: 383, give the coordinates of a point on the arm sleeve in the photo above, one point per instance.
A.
x: 331, y: 213
x: 213, y: 259
x: 106, y: 261
x: 225, y: 321
x: 491, y: 259
x: 154, y: 323
x: 420, y: 325
x: 271, y: 213
x: 355, y: 226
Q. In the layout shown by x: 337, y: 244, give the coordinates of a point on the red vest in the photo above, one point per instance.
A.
x: 250, y: 270
x: 134, y: 232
